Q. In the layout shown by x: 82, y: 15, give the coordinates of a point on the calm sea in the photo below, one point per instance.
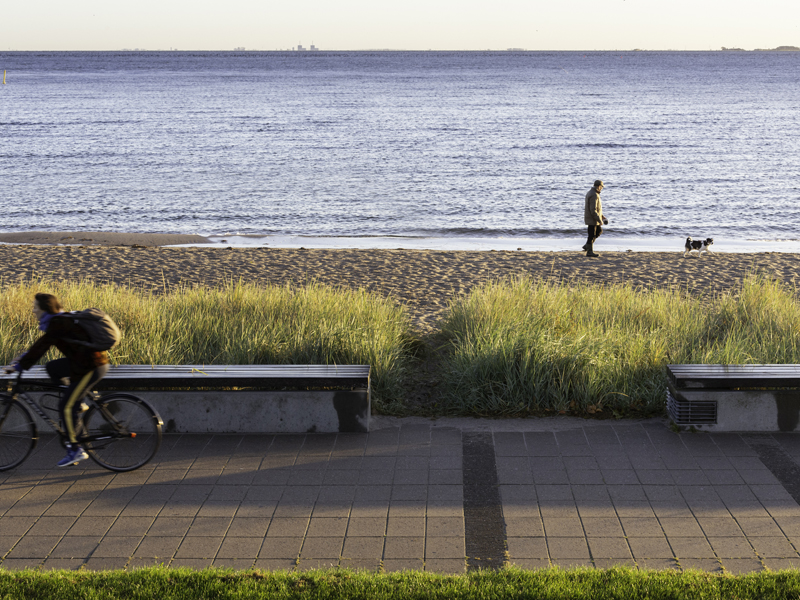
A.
x: 418, y: 147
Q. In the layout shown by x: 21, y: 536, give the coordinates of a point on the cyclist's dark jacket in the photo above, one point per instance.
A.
x: 61, y: 328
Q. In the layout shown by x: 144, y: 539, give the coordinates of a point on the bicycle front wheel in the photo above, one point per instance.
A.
x: 17, y: 432
x: 121, y: 432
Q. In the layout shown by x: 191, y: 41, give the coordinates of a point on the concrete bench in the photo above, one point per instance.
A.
x: 734, y: 397
x: 245, y: 398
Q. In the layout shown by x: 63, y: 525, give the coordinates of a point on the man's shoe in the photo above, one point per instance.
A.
x: 592, y: 254
x: 586, y: 247
x: 73, y: 457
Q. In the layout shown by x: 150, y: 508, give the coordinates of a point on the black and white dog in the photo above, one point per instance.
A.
x: 699, y: 245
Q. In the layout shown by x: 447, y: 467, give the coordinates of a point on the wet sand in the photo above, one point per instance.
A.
x: 423, y: 280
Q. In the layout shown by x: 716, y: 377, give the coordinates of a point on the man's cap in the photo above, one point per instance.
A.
x: 598, y: 183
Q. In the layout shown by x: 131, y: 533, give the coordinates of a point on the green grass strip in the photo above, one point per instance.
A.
x: 525, y: 347
x: 236, y: 324
x: 512, y: 583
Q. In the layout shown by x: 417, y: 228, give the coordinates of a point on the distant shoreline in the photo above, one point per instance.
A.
x: 323, y: 52
x: 609, y: 242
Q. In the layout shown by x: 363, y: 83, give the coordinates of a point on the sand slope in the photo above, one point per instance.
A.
x: 424, y: 280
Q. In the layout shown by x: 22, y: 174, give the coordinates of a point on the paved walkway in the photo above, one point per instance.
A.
x: 436, y: 495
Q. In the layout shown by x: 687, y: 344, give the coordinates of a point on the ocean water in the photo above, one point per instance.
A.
x: 423, y: 149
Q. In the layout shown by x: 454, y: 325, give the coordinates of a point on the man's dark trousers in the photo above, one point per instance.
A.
x: 594, y: 232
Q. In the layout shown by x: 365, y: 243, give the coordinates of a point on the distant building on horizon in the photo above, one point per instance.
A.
x: 313, y: 48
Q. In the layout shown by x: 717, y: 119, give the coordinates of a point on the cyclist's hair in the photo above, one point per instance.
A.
x: 48, y: 303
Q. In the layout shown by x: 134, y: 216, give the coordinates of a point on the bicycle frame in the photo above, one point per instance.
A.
x: 21, y: 394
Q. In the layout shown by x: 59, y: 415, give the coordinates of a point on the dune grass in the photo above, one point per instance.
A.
x: 512, y: 583
x: 513, y: 348
x: 238, y: 323
x: 524, y: 347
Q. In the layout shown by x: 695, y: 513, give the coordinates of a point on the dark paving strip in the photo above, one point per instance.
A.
x: 777, y: 461
x: 484, y: 528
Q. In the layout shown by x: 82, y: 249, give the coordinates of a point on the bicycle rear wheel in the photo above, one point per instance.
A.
x: 17, y: 432
x: 121, y: 432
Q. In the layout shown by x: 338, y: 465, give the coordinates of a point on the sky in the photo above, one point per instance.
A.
x: 399, y: 24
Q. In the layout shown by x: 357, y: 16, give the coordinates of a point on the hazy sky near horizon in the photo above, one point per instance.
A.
x: 404, y: 25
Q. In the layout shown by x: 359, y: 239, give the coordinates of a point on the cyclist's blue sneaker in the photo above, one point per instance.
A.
x: 73, y: 457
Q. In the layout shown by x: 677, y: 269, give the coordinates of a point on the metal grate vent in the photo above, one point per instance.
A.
x: 686, y: 412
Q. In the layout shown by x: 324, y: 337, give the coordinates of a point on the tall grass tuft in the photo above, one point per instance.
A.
x: 238, y: 323
x: 528, y: 347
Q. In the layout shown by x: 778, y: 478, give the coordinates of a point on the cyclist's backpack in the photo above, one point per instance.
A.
x: 102, y: 331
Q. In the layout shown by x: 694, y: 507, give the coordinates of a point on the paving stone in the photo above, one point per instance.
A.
x: 657, y: 564
x: 524, y: 527
x: 445, y: 476
x: 163, y: 548
x: 75, y: 547
x: 445, y: 527
x: 634, y: 510
x: 198, y: 548
x: 558, y: 509
x: 602, y: 527
x: 98, y: 563
x: 558, y: 527
x: 275, y: 564
x: 758, y: 476
x: 759, y: 527
x: 130, y: 526
x: 773, y: 547
x: 780, y: 564
x: 406, y: 527
x: 608, y: 563
x: 62, y: 564
x: 33, y: 547
x: 238, y: 564
x: 527, y: 547
x: 709, y: 565
x: 690, y: 547
x: 724, y: 477
x: 240, y: 548
x: 444, y: 547
x: 50, y: 526
x: 209, y: 526
x: 596, y: 509
x: 327, y: 527
x: 620, y: 477
x: 567, y: 548
x: 116, y: 547
x: 16, y: 525
x: 683, y: 527
x: 445, y: 566
x: 248, y: 527
x: 363, y: 548
x: 366, y: 527
x: 742, y: 566
x: 20, y: 564
x: 649, y: 547
x: 572, y: 563
x: 198, y: 564
x: 405, y: 548
x: 392, y: 565
x: 732, y: 547
x: 322, y: 547
x: 554, y: 477
x: 554, y: 492
x: 406, y: 509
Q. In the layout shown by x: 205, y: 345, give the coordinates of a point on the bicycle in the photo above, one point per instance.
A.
x: 119, y: 431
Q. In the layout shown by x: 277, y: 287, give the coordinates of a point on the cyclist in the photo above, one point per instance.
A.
x: 83, y: 367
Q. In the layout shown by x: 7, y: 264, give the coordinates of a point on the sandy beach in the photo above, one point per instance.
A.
x: 423, y: 280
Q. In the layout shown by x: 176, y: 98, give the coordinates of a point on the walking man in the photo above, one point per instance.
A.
x: 593, y: 217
